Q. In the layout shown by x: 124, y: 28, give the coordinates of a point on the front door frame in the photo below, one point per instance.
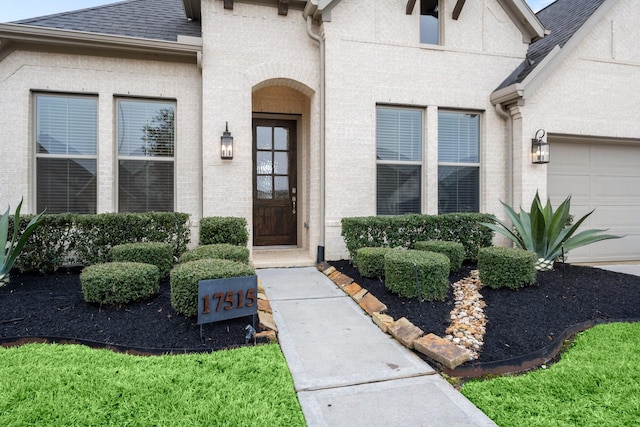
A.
x: 275, y: 241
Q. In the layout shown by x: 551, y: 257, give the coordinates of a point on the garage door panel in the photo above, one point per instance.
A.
x: 569, y: 157
x: 624, y: 249
x: 616, y: 217
x: 574, y: 185
x: 622, y: 156
x: 616, y: 186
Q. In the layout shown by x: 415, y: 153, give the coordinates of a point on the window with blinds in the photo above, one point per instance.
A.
x: 66, y: 135
x: 146, y: 144
x: 458, y: 162
x: 399, y: 160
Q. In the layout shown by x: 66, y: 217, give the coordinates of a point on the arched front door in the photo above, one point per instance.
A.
x: 275, y: 194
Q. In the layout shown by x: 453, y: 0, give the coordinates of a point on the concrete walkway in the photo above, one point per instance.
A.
x: 346, y: 371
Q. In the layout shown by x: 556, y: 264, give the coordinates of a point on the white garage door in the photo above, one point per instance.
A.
x: 604, y: 176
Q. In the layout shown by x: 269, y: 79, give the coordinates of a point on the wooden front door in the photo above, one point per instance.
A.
x: 275, y: 193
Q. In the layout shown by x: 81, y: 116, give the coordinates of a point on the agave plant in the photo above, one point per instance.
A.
x: 9, y: 250
x: 547, y: 232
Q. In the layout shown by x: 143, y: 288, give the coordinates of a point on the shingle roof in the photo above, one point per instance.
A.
x: 562, y: 18
x: 149, y: 19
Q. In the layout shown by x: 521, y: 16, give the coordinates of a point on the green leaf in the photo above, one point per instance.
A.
x: 11, y: 251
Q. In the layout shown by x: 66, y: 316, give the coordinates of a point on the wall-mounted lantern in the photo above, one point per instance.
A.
x: 226, y: 144
x: 539, y: 148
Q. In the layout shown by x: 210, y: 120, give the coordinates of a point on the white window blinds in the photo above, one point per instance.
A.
x: 66, y: 134
x: 399, y: 155
x: 458, y: 162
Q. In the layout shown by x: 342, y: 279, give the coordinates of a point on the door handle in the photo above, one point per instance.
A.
x: 293, y: 200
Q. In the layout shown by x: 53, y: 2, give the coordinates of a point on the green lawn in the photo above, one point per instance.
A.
x: 596, y: 383
x: 64, y: 385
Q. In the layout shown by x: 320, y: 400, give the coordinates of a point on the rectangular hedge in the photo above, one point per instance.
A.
x: 71, y: 239
x: 404, y: 230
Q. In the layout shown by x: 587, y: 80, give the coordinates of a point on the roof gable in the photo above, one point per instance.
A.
x: 568, y: 21
x: 148, y: 19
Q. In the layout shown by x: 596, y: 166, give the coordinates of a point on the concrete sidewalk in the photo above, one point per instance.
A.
x: 346, y: 371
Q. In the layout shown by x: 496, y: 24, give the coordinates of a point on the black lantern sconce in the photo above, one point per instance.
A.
x: 539, y: 148
x: 226, y: 144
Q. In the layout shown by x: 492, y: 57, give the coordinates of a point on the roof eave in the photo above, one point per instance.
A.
x: 320, y: 10
x: 508, y: 95
x: 20, y: 33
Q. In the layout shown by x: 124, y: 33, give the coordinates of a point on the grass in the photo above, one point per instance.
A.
x: 596, y: 383
x: 72, y: 385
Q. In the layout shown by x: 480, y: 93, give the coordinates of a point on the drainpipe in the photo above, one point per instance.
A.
x: 319, y: 39
x: 502, y: 112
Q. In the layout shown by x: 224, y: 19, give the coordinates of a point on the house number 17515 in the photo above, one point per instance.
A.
x: 222, y: 299
x: 229, y: 300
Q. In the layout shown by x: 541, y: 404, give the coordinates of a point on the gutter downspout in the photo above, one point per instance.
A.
x: 319, y: 39
x: 502, y: 112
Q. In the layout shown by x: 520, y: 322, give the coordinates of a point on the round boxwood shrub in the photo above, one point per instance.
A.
x: 453, y: 250
x: 116, y: 283
x: 184, y: 280
x: 506, y: 267
x: 432, y: 268
x: 156, y: 253
x: 217, y: 251
x: 370, y: 261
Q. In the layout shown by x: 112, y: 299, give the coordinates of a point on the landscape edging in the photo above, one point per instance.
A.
x: 507, y: 366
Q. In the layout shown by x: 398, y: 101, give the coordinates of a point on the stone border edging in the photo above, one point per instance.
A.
x: 529, y: 361
x: 407, y: 334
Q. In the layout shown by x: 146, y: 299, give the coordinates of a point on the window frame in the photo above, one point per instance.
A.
x: 439, y: 22
x: 141, y: 158
x: 36, y: 155
x: 477, y: 165
x: 420, y: 163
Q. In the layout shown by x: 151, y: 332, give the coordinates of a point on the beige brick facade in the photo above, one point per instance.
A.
x: 256, y: 63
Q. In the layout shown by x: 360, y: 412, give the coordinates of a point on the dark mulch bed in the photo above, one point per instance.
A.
x: 529, y: 319
x: 53, y: 306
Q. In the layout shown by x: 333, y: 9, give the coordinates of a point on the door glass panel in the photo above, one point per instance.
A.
x: 264, y: 187
x: 282, y: 187
x: 281, y: 136
x: 281, y: 163
x: 263, y: 138
x: 264, y: 163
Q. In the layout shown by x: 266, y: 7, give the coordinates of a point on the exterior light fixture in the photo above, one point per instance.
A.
x: 226, y: 144
x: 539, y: 148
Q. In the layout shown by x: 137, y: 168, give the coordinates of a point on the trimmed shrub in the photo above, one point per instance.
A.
x: 217, y: 251
x: 403, y: 231
x: 74, y: 239
x: 155, y: 253
x: 432, y: 271
x: 48, y: 247
x: 370, y: 261
x: 94, y: 235
x: 218, y: 229
x: 506, y: 267
x: 116, y: 283
x: 185, y: 278
x: 453, y: 250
